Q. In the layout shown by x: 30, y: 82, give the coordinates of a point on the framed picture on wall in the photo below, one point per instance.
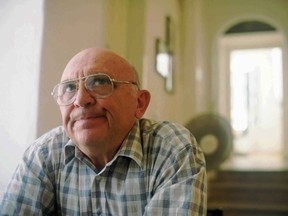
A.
x: 164, y: 57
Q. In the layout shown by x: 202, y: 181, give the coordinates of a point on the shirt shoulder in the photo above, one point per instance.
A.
x: 167, y: 133
x: 53, y: 139
x: 48, y: 148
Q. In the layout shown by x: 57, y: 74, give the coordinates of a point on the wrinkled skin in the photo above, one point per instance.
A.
x: 99, y: 126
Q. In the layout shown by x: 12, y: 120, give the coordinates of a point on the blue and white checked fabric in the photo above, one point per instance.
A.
x: 158, y: 170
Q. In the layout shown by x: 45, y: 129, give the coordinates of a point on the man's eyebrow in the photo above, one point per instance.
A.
x: 68, y: 80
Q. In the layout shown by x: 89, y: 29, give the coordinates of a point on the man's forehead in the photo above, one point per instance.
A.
x: 83, y: 63
x: 93, y: 61
x: 89, y: 57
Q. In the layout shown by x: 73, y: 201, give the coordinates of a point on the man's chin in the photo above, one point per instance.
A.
x: 89, y: 134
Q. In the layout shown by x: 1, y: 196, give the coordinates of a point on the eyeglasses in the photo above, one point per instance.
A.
x: 98, y: 85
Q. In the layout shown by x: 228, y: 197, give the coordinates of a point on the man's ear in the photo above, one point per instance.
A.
x: 143, y: 102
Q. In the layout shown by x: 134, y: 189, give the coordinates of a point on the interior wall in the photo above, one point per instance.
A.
x: 21, y: 37
x: 124, y: 29
x: 116, y: 16
x: 195, y: 75
x: 136, y: 34
x: 163, y: 105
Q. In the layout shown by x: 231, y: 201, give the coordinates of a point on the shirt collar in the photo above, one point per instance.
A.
x: 132, y: 147
x: 69, y: 151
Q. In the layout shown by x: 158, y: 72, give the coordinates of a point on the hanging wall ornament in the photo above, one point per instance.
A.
x: 164, y: 63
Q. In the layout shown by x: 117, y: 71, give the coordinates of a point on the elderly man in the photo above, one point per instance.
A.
x: 106, y: 159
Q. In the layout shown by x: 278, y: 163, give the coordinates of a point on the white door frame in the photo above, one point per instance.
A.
x: 221, y: 78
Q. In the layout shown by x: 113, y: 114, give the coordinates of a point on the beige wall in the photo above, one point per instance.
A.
x: 21, y: 25
x: 163, y: 105
x: 124, y: 29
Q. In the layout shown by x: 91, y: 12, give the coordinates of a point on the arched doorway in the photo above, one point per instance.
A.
x: 250, y: 93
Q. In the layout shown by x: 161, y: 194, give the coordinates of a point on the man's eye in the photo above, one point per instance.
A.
x: 99, y: 81
x: 68, y: 88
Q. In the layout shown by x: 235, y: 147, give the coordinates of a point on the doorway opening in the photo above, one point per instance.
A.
x: 250, y: 94
x: 256, y: 100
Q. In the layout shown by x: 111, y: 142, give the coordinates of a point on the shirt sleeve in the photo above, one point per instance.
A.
x: 30, y: 191
x: 180, y: 188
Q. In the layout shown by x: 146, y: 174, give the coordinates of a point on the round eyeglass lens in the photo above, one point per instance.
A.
x: 66, y: 92
x: 100, y: 85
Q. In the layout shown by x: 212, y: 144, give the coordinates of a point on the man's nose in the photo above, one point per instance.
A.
x: 83, y: 97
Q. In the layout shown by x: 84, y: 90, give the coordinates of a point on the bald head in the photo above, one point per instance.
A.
x: 102, y: 60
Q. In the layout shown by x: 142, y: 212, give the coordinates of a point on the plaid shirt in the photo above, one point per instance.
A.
x: 159, y: 170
